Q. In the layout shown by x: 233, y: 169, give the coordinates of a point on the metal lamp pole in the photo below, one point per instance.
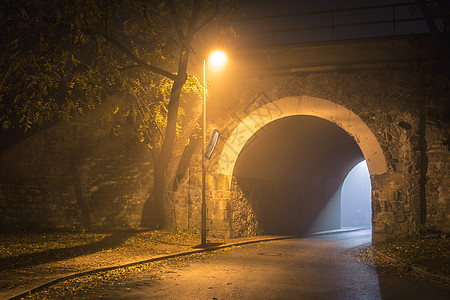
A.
x: 203, y: 208
x: 217, y: 59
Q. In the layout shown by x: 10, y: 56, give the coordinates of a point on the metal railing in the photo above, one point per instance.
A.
x: 340, y: 24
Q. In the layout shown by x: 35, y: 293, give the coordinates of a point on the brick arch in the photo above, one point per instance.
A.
x: 308, y: 106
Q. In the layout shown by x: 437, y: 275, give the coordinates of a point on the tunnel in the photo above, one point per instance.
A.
x: 291, y: 172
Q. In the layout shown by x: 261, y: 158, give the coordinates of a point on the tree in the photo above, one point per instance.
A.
x: 62, y: 57
x: 437, y: 17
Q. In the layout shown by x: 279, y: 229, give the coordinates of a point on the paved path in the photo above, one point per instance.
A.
x: 321, y: 267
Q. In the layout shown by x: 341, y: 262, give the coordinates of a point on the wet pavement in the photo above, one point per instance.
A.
x: 318, y: 267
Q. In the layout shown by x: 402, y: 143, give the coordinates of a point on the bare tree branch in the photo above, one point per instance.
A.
x: 142, y: 104
x: 176, y: 20
x: 439, y: 37
x: 147, y: 133
x: 131, y: 67
x: 192, y: 27
x: 134, y: 58
x: 210, y: 18
x: 231, y: 12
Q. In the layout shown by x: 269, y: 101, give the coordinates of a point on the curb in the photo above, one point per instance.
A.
x: 29, y: 291
x: 415, y: 269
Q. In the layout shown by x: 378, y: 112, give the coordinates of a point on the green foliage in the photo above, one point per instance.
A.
x: 50, y: 69
x: 57, y: 63
x: 193, y: 86
x: 63, y: 57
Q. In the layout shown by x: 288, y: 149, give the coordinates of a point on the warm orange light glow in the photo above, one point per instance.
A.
x: 217, y: 59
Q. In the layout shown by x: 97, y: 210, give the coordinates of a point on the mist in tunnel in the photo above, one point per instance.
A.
x: 355, y: 198
x: 292, y: 171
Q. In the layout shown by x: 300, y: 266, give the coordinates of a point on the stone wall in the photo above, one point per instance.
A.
x: 25, y: 204
x: 85, y: 173
x: 438, y: 177
x: 245, y: 221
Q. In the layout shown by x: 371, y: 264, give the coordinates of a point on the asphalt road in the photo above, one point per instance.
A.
x: 321, y: 267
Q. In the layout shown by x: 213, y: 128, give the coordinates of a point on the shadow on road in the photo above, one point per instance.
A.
x: 411, y: 286
x: 52, y: 255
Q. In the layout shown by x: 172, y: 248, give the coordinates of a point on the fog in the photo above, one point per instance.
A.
x: 291, y: 172
x: 355, y: 198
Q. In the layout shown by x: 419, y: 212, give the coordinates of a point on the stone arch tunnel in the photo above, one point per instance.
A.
x: 288, y: 158
x: 307, y: 106
x: 291, y: 172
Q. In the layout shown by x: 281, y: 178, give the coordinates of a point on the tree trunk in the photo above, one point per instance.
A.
x: 159, y: 211
x: 164, y: 207
x: 163, y: 203
x: 441, y: 38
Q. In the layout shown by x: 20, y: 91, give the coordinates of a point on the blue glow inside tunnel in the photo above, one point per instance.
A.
x: 355, y: 198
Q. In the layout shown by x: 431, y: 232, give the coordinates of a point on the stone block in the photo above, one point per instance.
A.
x: 387, y: 206
x: 376, y: 206
x: 380, y: 237
x: 223, y: 205
x: 34, y: 191
x: 13, y: 197
x: 396, y: 206
x: 216, y: 195
x: 399, y: 217
x: 385, y: 217
x: 210, y: 182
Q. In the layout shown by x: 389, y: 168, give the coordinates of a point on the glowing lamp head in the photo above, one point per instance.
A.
x: 217, y: 59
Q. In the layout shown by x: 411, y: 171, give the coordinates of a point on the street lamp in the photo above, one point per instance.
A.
x: 216, y: 60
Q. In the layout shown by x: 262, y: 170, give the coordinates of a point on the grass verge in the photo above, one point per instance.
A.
x: 430, y: 253
x: 413, y: 257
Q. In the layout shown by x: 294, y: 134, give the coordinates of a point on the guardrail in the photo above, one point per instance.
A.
x: 340, y: 24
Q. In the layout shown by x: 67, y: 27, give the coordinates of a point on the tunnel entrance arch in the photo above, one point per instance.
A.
x: 303, y: 106
x: 337, y: 129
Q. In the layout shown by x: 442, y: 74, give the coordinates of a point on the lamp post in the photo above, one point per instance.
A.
x: 216, y: 60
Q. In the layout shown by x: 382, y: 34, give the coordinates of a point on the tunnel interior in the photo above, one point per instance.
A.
x: 291, y: 172
x: 356, y: 208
